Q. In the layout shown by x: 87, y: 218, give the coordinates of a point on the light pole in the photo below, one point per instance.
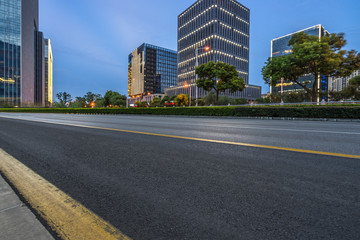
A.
x: 196, y: 65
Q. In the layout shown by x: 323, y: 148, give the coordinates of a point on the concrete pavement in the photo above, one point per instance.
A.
x: 17, y: 222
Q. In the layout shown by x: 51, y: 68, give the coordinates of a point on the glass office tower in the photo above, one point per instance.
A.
x: 224, y: 27
x: 10, y: 52
x: 280, y: 47
x: 151, y: 69
x: 22, y: 63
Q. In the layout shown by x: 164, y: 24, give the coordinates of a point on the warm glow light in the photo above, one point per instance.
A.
x: 186, y: 85
x: 149, y: 93
x: 207, y: 48
x: 92, y: 104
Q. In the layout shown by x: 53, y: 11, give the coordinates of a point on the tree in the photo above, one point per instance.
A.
x: 165, y: 99
x: 80, y: 102
x: 156, y: 102
x: 182, y: 100
x: 310, y: 55
x: 219, y: 77
x: 99, y: 102
x: 64, y: 98
x: 91, y: 97
x: 114, y: 99
x: 353, y: 90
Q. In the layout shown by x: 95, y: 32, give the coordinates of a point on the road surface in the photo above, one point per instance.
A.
x: 160, y: 177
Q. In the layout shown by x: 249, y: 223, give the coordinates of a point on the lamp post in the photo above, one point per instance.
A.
x: 196, y: 65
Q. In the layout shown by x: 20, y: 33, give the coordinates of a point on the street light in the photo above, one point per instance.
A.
x: 206, y: 48
x: 186, y: 86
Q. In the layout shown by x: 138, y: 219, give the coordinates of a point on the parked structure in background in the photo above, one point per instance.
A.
x: 339, y: 84
x: 22, y: 54
x: 280, y: 47
x: 48, y: 73
x: 223, y: 27
x: 151, y: 69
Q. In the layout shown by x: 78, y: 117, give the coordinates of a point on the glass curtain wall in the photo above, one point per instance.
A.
x: 10, y: 52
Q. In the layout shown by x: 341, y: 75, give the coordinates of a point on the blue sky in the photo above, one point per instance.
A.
x: 92, y: 39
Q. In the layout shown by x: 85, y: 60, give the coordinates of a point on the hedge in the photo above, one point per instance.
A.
x: 325, y: 112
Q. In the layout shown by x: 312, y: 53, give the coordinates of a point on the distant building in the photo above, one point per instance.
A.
x: 224, y: 27
x: 337, y: 84
x: 48, y: 73
x: 280, y: 47
x: 21, y: 54
x: 151, y: 69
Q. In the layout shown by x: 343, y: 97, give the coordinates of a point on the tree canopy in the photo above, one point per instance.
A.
x: 314, y: 56
x: 219, y: 77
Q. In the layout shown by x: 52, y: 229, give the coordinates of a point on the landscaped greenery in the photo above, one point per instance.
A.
x: 312, y: 56
x: 297, y: 111
x: 219, y: 77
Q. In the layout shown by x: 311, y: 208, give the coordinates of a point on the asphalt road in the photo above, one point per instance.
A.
x: 153, y: 187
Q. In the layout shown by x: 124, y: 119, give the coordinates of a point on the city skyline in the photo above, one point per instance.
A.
x: 103, y: 39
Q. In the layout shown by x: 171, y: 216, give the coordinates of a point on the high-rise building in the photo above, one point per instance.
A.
x: 151, y: 69
x: 280, y: 47
x: 224, y: 27
x: 22, y: 67
x: 337, y: 84
x: 48, y: 73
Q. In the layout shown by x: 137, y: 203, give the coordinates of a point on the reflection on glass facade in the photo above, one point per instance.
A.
x: 280, y: 47
x: 10, y: 52
x: 151, y: 69
x: 224, y: 26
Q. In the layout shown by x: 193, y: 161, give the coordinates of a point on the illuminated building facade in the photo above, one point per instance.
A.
x: 224, y: 27
x: 22, y: 65
x: 48, y: 73
x: 280, y: 47
x: 151, y: 69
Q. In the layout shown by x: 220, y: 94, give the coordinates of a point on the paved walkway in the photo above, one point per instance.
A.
x: 17, y: 222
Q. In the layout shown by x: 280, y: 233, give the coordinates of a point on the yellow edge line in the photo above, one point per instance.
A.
x: 68, y: 218
x: 210, y: 140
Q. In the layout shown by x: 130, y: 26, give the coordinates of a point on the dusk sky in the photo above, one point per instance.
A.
x: 92, y: 39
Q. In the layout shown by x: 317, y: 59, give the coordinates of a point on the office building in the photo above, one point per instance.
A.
x: 337, y: 84
x: 151, y: 69
x: 22, y: 65
x: 48, y: 73
x: 224, y: 27
x: 280, y: 47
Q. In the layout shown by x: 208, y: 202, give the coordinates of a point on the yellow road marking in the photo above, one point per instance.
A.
x: 70, y: 219
x: 209, y: 140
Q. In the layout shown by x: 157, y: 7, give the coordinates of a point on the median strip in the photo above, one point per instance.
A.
x: 68, y: 218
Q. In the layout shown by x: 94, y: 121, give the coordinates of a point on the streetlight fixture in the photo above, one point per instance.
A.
x: 206, y: 48
x: 186, y: 86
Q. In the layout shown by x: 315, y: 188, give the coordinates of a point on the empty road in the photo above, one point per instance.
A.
x: 199, y: 178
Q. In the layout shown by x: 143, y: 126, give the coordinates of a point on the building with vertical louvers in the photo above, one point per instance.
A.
x: 224, y: 27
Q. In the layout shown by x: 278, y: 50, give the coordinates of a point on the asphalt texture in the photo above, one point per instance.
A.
x: 152, y: 187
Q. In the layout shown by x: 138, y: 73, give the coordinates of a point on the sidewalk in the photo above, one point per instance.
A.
x: 17, y: 222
